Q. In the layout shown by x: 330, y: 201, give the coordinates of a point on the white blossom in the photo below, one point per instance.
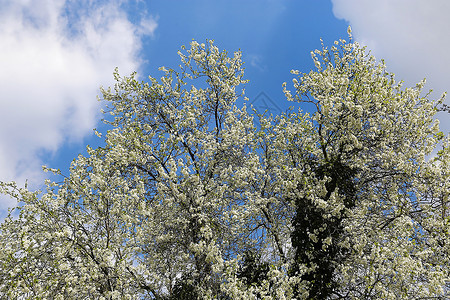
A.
x: 189, y: 197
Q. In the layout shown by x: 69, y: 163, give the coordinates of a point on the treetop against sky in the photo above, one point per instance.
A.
x: 56, y: 55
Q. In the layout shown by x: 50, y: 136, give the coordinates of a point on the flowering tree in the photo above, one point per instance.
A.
x: 189, y: 199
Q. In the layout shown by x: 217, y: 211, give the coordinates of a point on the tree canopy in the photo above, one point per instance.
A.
x: 195, y: 197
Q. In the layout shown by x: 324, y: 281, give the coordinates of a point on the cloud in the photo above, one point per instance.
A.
x: 54, y: 56
x: 411, y: 35
x: 256, y: 61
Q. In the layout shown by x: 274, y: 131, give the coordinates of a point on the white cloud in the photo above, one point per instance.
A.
x: 411, y: 35
x: 54, y: 55
x: 256, y: 61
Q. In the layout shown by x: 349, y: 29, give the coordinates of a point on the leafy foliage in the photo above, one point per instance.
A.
x: 189, y: 198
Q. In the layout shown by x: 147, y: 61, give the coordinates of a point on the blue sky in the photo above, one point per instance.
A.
x: 56, y: 53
